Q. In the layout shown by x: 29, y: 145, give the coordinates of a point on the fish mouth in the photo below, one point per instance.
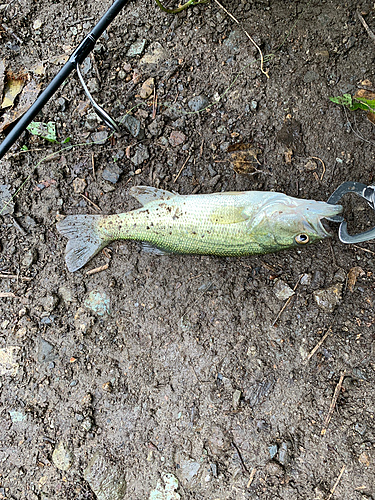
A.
x: 318, y: 214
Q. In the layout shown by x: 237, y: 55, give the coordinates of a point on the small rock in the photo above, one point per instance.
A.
x: 360, y: 427
x: 50, y: 302
x: 156, y: 127
x: 37, y: 24
x: 66, y: 294
x: 29, y: 258
x: 305, y: 279
x: 141, y: 155
x: 86, y: 66
x: 188, y: 469
x: 282, y: 290
x: 176, y: 138
x: 272, y: 450
x: 99, y: 137
x: 340, y: 275
x: 329, y: 298
x: 79, y: 185
x: 83, y: 322
x: 147, y: 88
x: 62, y: 457
x: 166, y: 489
x: 93, y: 85
x: 106, y: 479
x: 284, y: 454
x: 8, y: 360
x: 132, y: 125
x: 98, y: 302
x: 236, y: 398
x: 17, y: 416
x: 92, y: 121
x: 112, y: 173
x: 364, y: 459
x: 6, y: 201
x: 253, y: 105
x: 155, y: 55
x: 274, y: 469
x: 107, y: 387
x: 46, y: 351
x: 136, y: 48
x: 198, y: 102
x: 87, y: 424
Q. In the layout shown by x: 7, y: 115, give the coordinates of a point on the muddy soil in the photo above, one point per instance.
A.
x: 168, y: 375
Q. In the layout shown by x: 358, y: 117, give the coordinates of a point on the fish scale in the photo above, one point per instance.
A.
x: 223, y: 224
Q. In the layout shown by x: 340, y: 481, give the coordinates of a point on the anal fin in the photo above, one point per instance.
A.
x: 151, y: 249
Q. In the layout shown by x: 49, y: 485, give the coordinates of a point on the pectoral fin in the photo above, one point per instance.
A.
x: 229, y: 215
x: 147, y: 194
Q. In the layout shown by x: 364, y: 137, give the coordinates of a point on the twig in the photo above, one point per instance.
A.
x: 366, y: 26
x: 248, y: 36
x: 287, y: 302
x: 93, y: 166
x: 319, y: 344
x: 92, y: 203
x: 4, y: 295
x: 336, y: 483
x: 154, y: 105
x: 15, y: 276
x: 364, y: 249
x: 181, y: 169
x: 333, y: 404
x: 251, y: 478
x: 244, y: 468
x: 324, y: 167
x: 97, y: 269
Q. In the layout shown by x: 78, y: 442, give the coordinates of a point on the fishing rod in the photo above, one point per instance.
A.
x: 81, y: 52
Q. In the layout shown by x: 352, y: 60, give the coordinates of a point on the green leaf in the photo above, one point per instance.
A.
x: 65, y: 141
x: 24, y: 148
x: 366, y: 104
x: 44, y: 130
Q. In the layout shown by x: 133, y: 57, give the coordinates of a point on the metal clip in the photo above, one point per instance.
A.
x: 367, y: 193
x: 107, y: 119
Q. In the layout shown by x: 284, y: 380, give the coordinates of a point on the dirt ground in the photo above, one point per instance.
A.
x: 166, y: 377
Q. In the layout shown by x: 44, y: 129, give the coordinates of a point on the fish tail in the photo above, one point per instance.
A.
x: 86, y: 238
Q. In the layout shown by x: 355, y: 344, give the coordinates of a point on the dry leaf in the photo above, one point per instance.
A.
x: 366, y: 83
x: 371, y: 116
x: 13, y: 87
x: 244, y: 158
x: 365, y: 94
x: 147, y: 88
x: 353, y: 275
x: 288, y: 154
x: 2, y: 76
x: 27, y: 98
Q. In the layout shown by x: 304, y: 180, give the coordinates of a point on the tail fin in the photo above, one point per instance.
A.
x: 85, y: 239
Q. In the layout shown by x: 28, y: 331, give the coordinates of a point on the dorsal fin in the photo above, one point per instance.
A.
x: 146, y: 194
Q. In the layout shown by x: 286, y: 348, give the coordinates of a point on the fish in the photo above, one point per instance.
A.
x: 226, y: 224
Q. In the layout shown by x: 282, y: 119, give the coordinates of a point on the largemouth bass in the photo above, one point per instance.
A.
x: 223, y: 224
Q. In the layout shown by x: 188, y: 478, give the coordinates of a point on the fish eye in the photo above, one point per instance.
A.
x: 302, y: 239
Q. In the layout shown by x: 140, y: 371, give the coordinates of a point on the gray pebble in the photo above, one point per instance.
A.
x: 62, y: 457
x: 329, y: 298
x: 29, y: 258
x: 198, y: 102
x: 99, y: 137
x: 46, y: 351
x: 105, y: 479
x: 141, y: 155
x: 112, y: 173
x: 132, y: 125
x: 136, y: 48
